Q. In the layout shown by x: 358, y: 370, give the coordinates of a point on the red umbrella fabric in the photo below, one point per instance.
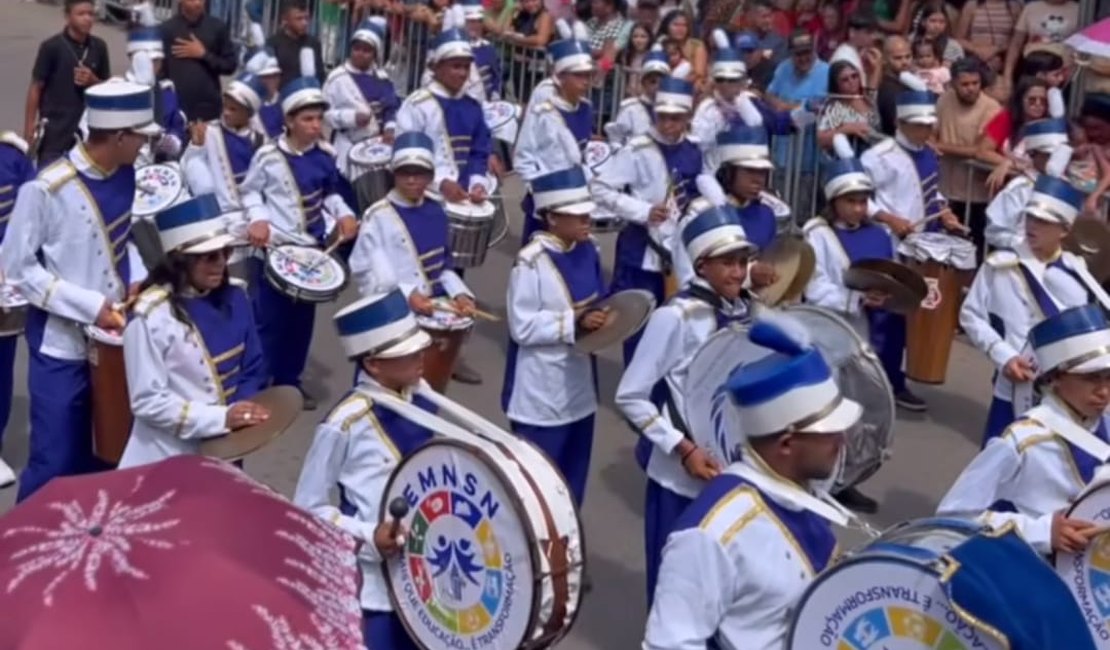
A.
x: 189, y: 553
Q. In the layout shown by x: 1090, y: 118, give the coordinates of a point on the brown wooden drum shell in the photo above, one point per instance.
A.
x: 440, y: 357
x: 111, y: 404
x: 931, y: 328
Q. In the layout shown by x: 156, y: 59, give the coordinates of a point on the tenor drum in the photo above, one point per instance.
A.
x: 891, y: 594
x: 448, y: 332
x: 368, y: 171
x: 494, y: 554
x: 157, y: 187
x: 305, y: 273
x: 13, y: 311
x: 597, y: 155
x: 946, y: 263
x: 111, y: 404
x: 470, y: 231
x: 1087, y: 574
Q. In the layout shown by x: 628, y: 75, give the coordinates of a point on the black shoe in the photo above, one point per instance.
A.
x: 464, y: 374
x: 309, y: 401
x: 910, y: 402
x: 853, y: 499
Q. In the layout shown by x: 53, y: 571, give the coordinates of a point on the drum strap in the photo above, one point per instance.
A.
x: 827, y: 509
x: 1070, y: 431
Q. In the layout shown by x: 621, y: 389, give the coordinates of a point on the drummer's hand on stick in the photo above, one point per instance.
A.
x: 258, y: 234
x: 452, y: 192
x: 477, y: 194
x: 421, y: 304
x: 658, y: 214
x: 950, y: 221
x: 348, y: 228
x: 1071, y: 535
x: 697, y: 461
x: 874, y: 298
x: 464, y: 305
x: 109, y: 318
x: 1019, y: 369
x: 362, y: 119
x: 899, y: 226
x: 388, y: 136
x: 246, y: 414
x: 763, y: 275
x: 390, y: 538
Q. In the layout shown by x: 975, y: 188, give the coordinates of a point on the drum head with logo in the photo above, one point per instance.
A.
x: 156, y: 188
x: 889, y: 596
x: 860, y: 376
x: 371, y: 153
x: 465, y: 576
x: 1087, y: 574
x: 444, y: 320
x: 597, y: 153
x: 498, y: 114
x: 307, y: 268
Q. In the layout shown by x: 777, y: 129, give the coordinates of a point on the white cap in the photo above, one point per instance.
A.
x: 118, y: 104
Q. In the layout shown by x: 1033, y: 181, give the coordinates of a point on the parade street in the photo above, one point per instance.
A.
x: 930, y: 449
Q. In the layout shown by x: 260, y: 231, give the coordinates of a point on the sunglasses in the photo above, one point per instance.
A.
x: 215, y: 256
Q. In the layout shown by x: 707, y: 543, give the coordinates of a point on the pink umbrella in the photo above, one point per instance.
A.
x: 1093, y: 40
x: 188, y: 553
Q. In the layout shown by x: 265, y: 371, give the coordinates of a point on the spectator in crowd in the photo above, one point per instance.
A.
x: 200, y: 52
x: 1029, y: 102
x: 66, y: 64
x: 962, y: 113
x: 806, y: 17
x: 800, y: 79
x: 559, y: 9
x: 291, y: 38
x: 849, y: 110
x: 497, y: 15
x: 1094, y: 117
x: 677, y: 27
x: 609, y: 32
x: 770, y: 47
x: 985, y: 28
x: 897, y: 58
x: 860, y: 49
x: 833, y: 30
x: 1042, y: 25
x: 647, y: 14
x: 1088, y: 170
x: 1046, y: 66
x: 632, y: 58
x: 934, y: 28
x: 529, y: 32
x: 929, y: 67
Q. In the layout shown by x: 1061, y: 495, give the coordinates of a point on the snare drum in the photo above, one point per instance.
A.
x: 157, y: 187
x: 448, y: 331
x: 111, y: 404
x: 495, y: 554
x: 469, y: 231
x: 368, y: 171
x: 596, y: 156
x: 946, y: 263
x: 1087, y: 574
x: 305, y: 273
x: 892, y: 594
x: 13, y: 311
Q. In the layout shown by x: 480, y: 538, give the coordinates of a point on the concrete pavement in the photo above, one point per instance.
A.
x: 930, y: 449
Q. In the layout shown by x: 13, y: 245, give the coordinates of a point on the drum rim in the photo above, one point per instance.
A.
x: 331, y: 294
x: 474, y: 217
x: 369, y: 143
x: 98, y: 334
x: 518, y: 508
x: 608, y: 147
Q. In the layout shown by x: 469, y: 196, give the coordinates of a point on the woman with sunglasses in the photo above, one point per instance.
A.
x: 191, y: 349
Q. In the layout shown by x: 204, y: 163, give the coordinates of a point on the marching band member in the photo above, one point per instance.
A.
x: 548, y: 86
x: 269, y: 119
x: 675, y: 466
x: 16, y: 168
x: 291, y: 195
x: 1016, y: 289
x: 360, y: 443
x: 742, y: 160
x: 554, y: 133
x: 147, y: 37
x: 743, y: 553
x: 191, y: 352
x: 1046, y: 144
x: 1045, y: 458
x: 220, y: 152
x: 636, y: 115
x: 403, y: 239
x: 549, y: 394
x: 904, y: 170
x: 487, y: 58
x: 660, y: 168
x: 361, y: 98
x: 68, y: 251
x: 839, y: 237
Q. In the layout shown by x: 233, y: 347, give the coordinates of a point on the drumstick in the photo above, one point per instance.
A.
x: 478, y: 313
x: 327, y: 253
x: 928, y: 220
x: 398, y: 508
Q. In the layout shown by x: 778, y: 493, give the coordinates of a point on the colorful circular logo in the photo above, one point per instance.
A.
x: 1087, y: 574
x: 899, y: 628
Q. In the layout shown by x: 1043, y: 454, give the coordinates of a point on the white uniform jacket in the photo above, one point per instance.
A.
x: 672, y: 335
x: 543, y: 91
x: 1031, y: 467
x: 420, y: 112
x: 1005, y: 228
x: 897, y: 185
x: 56, y: 215
x: 545, y: 144
x: 385, y: 255
x: 826, y: 285
x: 553, y: 380
x: 734, y: 576
x: 1000, y: 298
x: 345, y: 104
x: 633, y: 119
x: 207, y: 168
x: 270, y: 193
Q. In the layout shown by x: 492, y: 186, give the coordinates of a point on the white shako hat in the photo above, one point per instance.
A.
x: 565, y: 191
x: 371, y: 31
x: 675, y: 95
x: 655, y: 61
x: 1044, y: 135
x: 745, y: 146
x: 451, y: 44
x: 472, y: 9
x: 302, y: 93
x: 145, y: 39
x: 571, y: 53
x: 381, y: 326
x: 714, y: 231
x: 1054, y: 200
x: 728, y: 63
x: 1076, y: 340
x: 118, y: 104
x: 790, y: 390
x: 194, y: 227
x: 413, y: 148
x: 247, y: 90
x: 917, y: 107
x: 845, y: 174
x: 263, y: 63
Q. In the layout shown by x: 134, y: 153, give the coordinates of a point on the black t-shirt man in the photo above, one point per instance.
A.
x: 198, y: 51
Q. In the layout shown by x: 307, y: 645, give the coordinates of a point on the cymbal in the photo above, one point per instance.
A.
x: 905, y: 286
x: 284, y: 403
x: 794, y: 261
x: 628, y: 312
x: 1090, y: 239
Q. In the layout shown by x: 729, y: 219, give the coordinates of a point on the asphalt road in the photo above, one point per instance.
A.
x: 929, y: 452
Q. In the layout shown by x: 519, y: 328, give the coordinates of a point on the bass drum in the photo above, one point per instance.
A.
x: 494, y: 553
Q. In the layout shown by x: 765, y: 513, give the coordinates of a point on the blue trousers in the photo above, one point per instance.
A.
x: 284, y: 328
x: 384, y: 631
x: 630, y: 277
x: 61, y: 414
x: 568, y: 445
x: 8, y: 345
x: 888, y: 337
x: 662, y: 509
x: 999, y: 416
